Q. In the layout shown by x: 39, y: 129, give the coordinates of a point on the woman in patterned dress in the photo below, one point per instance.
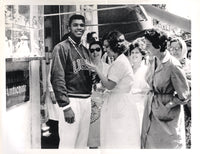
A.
x: 97, y: 95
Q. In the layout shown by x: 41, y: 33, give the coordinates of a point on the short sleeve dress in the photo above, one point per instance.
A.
x: 119, y: 125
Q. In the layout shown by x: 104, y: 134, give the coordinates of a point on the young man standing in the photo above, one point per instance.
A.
x: 72, y: 84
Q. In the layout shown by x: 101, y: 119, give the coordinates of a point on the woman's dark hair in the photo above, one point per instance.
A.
x: 137, y: 45
x: 89, y: 37
x: 76, y: 16
x: 157, y: 38
x: 104, y: 37
x: 114, y: 43
x: 96, y: 42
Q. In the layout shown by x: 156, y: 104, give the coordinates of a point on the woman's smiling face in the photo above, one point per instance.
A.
x: 96, y: 51
x: 136, y: 55
x: 175, y: 49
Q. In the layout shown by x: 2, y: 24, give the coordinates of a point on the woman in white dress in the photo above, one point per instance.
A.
x: 119, y: 127
x: 97, y: 95
x: 139, y: 66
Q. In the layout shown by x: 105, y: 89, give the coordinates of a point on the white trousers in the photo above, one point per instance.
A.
x: 75, y: 135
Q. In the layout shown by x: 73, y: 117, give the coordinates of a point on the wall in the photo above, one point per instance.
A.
x: 18, y: 127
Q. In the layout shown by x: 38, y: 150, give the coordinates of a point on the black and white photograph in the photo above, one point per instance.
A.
x: 99, y: 76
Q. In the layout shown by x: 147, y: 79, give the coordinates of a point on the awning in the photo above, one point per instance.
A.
x: 132, y: 20
x: 169, y: 18
x: 129, y: 20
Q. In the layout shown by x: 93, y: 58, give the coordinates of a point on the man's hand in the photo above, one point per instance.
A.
x: 69, y: 115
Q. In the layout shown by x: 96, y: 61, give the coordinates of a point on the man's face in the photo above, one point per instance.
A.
x: 77, y: 28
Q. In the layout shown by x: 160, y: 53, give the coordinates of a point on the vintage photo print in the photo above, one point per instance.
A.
x: 99, y: 76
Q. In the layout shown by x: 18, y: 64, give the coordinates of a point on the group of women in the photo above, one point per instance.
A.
x: 141, y: 91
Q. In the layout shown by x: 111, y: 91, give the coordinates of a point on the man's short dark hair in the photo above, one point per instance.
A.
x: 76, y: 16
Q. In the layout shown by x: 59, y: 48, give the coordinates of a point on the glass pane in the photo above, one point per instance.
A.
x: 24, y: 32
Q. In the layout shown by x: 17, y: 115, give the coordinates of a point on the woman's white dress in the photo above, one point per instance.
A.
x: 140, y: 89
x: 119, y: 127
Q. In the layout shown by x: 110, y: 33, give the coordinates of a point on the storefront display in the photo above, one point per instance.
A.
x: 24, y: 31
x: 24, y: 38
x: 24, y: 57
x: 17, y: 88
